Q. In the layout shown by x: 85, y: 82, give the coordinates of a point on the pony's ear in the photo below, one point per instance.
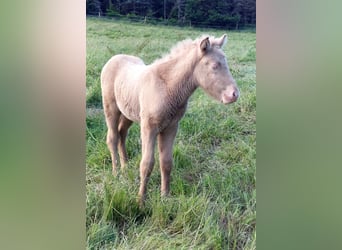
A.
x: 205, y: 44
x: 221, y: 41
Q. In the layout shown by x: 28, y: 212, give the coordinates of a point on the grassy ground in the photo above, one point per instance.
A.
x: 213, y: 201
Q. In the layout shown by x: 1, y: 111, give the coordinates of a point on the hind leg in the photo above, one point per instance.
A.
x: 112, y: 115
x: 124, y: 125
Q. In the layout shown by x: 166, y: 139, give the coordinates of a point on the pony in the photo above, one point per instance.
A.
x: 156, y: 96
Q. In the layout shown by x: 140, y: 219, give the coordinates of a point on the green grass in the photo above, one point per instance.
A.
x: 213, y: 201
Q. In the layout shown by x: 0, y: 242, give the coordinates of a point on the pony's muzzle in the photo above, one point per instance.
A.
x: 230, y: 96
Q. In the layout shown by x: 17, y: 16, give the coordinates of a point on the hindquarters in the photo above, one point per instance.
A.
x: 111, y: 111
x: 121, y: 82
x: 108, y: 74
x: 119, y: 86
x: 116, y: 122
x: 116, y: 68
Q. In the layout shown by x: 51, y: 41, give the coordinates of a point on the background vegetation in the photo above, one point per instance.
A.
x: 213, y: 201
x: 232, y: 14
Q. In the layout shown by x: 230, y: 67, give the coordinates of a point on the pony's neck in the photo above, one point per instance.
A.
x: 178, y: 77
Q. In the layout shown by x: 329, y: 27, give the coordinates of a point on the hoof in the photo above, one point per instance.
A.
x: 141, y: 201
x: 114, y: 172
x: 165, y: 194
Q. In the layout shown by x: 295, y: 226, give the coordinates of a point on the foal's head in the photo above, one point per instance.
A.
x: 212, y: 71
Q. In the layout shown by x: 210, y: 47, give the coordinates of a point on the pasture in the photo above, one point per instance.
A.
x: 213, y: 186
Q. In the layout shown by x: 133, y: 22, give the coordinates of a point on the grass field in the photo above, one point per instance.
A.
x: 213, y: 188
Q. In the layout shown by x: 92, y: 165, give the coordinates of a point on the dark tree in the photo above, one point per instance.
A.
x: 93, y: 7
x: 232, y: 14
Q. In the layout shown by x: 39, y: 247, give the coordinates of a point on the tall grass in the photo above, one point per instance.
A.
x: 213, y: 200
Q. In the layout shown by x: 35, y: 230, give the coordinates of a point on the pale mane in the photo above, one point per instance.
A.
x: 182, y: 48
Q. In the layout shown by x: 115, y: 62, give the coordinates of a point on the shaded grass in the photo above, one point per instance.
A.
x: 213, y: 200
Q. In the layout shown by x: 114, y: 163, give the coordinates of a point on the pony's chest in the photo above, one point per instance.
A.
x: 170, y: 115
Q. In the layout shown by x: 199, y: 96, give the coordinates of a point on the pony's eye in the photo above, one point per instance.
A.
x: 216, y: 65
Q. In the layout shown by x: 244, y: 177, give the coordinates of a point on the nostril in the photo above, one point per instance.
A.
x: 235, y: 94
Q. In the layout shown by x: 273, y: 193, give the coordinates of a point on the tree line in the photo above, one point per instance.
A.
x: 231, y: 14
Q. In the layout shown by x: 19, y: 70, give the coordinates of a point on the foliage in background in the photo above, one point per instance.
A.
x: 213, y: 186
x: 232, y: 14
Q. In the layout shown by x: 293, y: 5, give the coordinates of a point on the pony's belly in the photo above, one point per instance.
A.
x: 129, y: 110
x: 126, y: 93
